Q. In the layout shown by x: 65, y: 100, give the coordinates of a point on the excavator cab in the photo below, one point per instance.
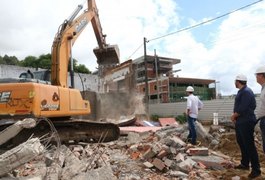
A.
x: 108, y: 55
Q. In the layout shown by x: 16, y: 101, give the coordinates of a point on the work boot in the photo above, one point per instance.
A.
x: 242, y: 167
x: 197, y: 143
x: 188, y: 140
x: 254, y: 174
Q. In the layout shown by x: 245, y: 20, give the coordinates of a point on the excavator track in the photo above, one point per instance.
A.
x: 73, y: 130
x: 87, y: 131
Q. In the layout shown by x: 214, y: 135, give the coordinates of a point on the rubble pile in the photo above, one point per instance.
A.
x: 160, y: 154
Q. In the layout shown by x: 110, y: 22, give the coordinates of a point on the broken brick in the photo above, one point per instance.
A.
x: 159, y: 164
x: 198, y: 151
x: 162, y: 154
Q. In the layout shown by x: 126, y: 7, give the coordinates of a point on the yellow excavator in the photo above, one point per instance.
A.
x: 61, y: 103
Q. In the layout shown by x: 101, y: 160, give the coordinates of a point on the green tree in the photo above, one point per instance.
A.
x: 44, y: 61
x: 1, y: 60
x: 10, y: 60
x: 29, y: 61
x: 81, y: 68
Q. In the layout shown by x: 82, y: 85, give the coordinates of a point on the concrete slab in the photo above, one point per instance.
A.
x: 168, y: 122
x: 138, y: 129
x: 212, y: 162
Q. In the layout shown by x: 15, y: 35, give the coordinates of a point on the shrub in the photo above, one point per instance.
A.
x: 181, y: 118
x: 155, y: 117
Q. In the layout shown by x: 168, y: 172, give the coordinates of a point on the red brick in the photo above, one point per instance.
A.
x: 198, y: 151
x: 135, y: 155
x: 158, y: 164
x: 162, y: 154
x: 168, y: 121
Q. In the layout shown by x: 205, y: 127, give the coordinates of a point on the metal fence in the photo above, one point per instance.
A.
x: 224, y: 108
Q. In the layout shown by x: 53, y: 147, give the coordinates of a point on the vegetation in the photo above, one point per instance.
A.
x: 181, y: 118
x: 154, y: 117
x: 9, y: 60
x: 43, y: 61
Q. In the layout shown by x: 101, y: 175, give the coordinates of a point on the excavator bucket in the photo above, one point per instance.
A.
x: 108, y: 55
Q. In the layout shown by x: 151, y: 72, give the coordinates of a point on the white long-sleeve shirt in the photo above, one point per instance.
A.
x: 194, y: 104
x: 261, y: 108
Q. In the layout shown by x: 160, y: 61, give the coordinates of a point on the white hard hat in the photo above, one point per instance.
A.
x: 189, y: 89
x: 241, y: 77
x: 261, y: 69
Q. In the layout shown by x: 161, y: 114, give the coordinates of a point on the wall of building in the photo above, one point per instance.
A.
x: 82, y: 81
x: 119, y: 79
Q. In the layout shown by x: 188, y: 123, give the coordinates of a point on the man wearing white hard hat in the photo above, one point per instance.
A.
x: 260, y: 77
x: 245, y: 120
x: 193, y: 106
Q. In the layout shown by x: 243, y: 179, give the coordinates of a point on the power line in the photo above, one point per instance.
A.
x: 135, y: 51
x: 196, y: 25
x: 207, y: 21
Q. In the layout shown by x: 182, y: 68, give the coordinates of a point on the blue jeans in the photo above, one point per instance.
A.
x: 262, y: 128
x: 192, y: 130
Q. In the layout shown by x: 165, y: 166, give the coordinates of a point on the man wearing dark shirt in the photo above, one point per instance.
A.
x: 245, y: 120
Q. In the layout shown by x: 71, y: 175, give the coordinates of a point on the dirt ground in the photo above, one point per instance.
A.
x: 229, y: 147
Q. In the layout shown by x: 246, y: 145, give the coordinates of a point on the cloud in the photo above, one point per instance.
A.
x: 235, y: 46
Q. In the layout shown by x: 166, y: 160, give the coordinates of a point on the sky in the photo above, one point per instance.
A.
x: 218, y: 50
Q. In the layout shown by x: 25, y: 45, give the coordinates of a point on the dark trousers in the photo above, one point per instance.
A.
x: 192, y: 130
x: 245, y: 140
x: 262, y: 128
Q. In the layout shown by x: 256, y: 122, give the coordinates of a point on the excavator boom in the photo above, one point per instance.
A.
x: 68, y: 32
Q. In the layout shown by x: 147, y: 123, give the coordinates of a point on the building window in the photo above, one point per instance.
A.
x: 155, y: 87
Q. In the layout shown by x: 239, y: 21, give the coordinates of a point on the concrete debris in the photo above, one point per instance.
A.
x: 211, y: 162
x: 187, y: 165
x: 178, y: 174
x: 73, y: 166
x: 15, y: 128
x: 148, y: 164
x: 138, y: 129
x: 202, y: 132
x: 102, y: 173
x: 20, y: 155
x: 161, y: 154
x: 236, y: 178
x: 53, y: 172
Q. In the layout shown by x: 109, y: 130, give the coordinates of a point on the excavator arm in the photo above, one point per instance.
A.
x: 68, y: 33
x: 30, y: 98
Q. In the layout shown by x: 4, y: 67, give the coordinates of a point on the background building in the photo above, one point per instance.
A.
x: 163, y: 87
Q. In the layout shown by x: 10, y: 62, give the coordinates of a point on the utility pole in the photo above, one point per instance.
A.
x: 146, y: 79
x: 216, y: 91
x: 157, y: 84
